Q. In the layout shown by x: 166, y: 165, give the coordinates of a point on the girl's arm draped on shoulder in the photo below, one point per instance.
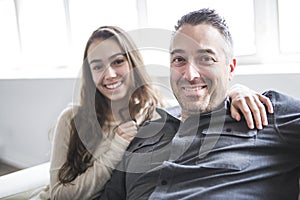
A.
x: 251, y: 104
x: 87, y: 184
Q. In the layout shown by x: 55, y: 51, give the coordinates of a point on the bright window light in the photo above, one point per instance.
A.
x: 289, y: 20
x: 44, y: 38
x: 9, y: 40
x: 239, y: 15
x: 87, y: 16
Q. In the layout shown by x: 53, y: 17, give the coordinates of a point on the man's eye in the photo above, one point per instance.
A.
x: 206, y: 60
x: 178, y: 61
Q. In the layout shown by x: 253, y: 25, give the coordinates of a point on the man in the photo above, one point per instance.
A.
x: 206, y: 154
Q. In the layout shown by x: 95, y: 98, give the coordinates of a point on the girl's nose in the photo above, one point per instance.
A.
x: 110, y: 72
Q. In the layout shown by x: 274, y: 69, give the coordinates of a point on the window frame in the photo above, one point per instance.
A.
x: 267, y: 41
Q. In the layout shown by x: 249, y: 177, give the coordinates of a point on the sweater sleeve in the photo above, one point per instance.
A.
x: 86, y: 185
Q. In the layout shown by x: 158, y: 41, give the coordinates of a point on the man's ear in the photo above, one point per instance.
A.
x: 232, y: 66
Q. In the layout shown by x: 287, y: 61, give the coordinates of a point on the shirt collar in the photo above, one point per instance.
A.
x: 174, y: 112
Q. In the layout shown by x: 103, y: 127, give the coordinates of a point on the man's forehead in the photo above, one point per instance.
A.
x: 197, y: 39
x: 183, y: 41
x: 197, y: 32
x: 184, y: 44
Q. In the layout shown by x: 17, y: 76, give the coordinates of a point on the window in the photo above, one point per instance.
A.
x: 41, y: 39
x: 43, y: 35
x: 289, y: 29
x: 87, y: 16
x: 9, y: 39
x: 240, y: 21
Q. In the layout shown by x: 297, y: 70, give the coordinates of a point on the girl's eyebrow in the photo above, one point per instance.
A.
x: 110, y: 58
x: 115, y: 55
x: 95, y: 61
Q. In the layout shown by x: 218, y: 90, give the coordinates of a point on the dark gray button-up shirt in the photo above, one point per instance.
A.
x: 211, y: 156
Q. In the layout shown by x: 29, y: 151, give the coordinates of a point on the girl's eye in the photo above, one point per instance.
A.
x: 98, y: 68
x: 118, y: 62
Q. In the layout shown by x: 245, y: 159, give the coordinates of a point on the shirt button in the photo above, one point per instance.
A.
x: 164, y: 182
x: 228, y: 130
x: 146, y: 123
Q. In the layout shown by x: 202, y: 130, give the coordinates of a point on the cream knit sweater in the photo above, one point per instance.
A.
x: 109, y: 152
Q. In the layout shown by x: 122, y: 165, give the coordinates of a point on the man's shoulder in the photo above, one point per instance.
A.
x: 164, y: 115
x: 278, y: 94
x: 152, y: 131
x: 175, y: 110
x: 283, y: 103
x: 278, y: 97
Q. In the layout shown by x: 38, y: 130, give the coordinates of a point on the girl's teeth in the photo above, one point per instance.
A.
x: 113, y: 86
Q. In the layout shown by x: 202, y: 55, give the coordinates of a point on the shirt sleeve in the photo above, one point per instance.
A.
x: 115, y: 187
x: 287, y: 118
x: 86, y: 185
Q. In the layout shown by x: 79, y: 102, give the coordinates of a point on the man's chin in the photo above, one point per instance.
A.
x: 193, y: 105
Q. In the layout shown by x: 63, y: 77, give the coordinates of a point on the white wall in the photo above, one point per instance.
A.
x: 30, y: 107
x: 286, y: 83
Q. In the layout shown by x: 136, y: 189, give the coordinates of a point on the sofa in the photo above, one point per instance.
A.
x: 22, y: 184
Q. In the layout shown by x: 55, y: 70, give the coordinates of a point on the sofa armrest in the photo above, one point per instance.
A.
x: 25, y: 180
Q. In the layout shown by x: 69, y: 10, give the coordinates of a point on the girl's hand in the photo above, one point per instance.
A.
x: 251, y: 104
x: 127, y: 130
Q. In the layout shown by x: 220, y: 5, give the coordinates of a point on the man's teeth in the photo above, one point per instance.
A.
x: 113, y: 86
x: 193, y: 89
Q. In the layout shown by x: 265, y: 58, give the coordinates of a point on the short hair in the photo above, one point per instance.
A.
x: 210, y: 17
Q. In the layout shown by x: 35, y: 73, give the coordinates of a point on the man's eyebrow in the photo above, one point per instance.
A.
x: 200, y: 51
x: 210, y: 51
x: 177, y: 51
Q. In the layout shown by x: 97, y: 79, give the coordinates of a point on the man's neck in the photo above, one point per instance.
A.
x: 186, y: 113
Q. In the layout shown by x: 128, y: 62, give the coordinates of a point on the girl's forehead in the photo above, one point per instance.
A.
x: 104, y: 49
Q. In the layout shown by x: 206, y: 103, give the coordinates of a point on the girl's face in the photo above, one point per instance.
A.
x: 110, y: 69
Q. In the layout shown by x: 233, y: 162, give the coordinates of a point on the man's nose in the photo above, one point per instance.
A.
x: 191, y: 72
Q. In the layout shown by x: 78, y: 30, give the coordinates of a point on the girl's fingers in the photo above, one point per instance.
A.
x: 127, y: 130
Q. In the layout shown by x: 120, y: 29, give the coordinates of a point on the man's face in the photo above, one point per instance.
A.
x: 200, y: 72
